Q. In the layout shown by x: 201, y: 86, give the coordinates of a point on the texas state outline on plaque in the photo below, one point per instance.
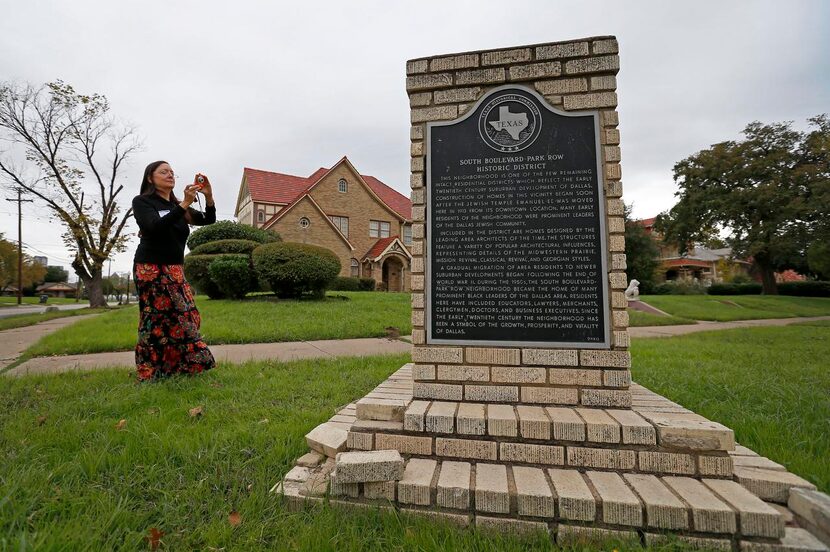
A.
x: 513, y: 123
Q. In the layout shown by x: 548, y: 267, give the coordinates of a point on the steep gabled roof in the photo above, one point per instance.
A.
x: 273, y: 187
x: 283, y: 189
x: 382, y: 245
x: 398, y: 202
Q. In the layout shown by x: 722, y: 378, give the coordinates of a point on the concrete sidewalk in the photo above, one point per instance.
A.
x: 13, y: 342
x: 282, y: 352
x: 704, y: 326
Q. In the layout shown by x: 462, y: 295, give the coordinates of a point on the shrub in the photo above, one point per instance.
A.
x: 809, y: 288
x: 679, y: 287
x: 292, y: 269
x: 366, y: 284
x: 230, y: 230
x: 197, y: 271
x: 735, y: 289
x: 232, y: 275
x: 741, y: 278
x: 226, y: 246
x: 342, y: 283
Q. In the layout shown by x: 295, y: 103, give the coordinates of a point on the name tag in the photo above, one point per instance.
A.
x: 162, y: 213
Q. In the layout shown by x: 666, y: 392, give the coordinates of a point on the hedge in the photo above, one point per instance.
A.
x: 230, y: 230
x: 679, y: 287
x: 807, y: 288
x: 197, y: 271
x: 735, y: 289
x: 344, y: 283
x: 232, y: 275
x: 292, y: 269
x: 366, y: 284
x: 226, y: 246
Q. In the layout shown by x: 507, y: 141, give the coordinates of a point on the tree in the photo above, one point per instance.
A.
x: 60, y: 135
x: 56, y: 274
x: 770, y: 193
x: 8, y: 263
x: 32, y: 272
x: 641, y: 253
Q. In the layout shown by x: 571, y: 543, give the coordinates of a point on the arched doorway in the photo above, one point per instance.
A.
x: 393, y: 274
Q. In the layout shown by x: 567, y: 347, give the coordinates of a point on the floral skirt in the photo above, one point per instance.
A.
x: 168, y: 327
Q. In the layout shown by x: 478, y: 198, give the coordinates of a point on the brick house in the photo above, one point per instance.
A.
x: 699, y: 263
x: 367, y: 224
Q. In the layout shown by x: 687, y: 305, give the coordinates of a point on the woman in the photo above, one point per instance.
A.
x: 168, y: 330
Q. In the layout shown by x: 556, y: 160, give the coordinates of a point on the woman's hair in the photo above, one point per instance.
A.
x: 148, y: 188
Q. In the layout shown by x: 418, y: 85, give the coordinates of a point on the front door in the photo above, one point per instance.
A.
x: 393, y: 274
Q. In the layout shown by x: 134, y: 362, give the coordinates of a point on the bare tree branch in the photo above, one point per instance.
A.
x: 61, y: 135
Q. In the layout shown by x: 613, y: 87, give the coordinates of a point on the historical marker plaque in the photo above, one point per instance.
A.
x: 516, y: 252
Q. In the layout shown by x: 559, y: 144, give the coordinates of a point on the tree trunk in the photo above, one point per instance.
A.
x: 95, y: 290
x: 768, y: 284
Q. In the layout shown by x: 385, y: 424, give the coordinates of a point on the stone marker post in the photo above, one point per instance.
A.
x: 518, y: 252
x: 518, y: 412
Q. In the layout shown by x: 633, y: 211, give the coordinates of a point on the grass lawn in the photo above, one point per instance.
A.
x: 22, y: 320
x: 725, y: 308
x: 69, y: 479
x: 640, y: 318
x: 770, y: 385
x: 342, y: 315
x: 12, y: 301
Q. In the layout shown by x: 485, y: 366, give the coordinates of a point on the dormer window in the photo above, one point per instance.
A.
x: 342, y: 186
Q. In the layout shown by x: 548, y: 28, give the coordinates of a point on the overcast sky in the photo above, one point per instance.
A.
x: 217, y: 86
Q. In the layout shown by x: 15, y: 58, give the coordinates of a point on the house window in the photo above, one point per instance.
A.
x: 355, y: 268
x: 342, y: 186
x: 260, y: 216
x: 378, y: 229
x: 342, y: 224
x: 304, y: 222
x: 407, y: 235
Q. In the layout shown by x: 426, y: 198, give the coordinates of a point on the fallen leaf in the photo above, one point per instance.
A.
x: 250, y: 486
x: 154, y: 538
x: 121, y: 425
x: 41, y: 420
x: 216, y: 385
x: 264, y: 421
x: 234, y: 519
x: 392, y: 332
x: 153, y: 411
x: 197, y: 411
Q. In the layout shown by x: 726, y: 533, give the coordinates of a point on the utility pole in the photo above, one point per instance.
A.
x: 20, y: 201
x: 128, y: 288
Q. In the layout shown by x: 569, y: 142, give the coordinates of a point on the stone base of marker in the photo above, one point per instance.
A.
x: 703, y: 502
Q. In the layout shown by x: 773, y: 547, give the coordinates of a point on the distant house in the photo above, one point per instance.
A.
x: 699, y: 263
x: 56, y: 289
x: 367, y: 224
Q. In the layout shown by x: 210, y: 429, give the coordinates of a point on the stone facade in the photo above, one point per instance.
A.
x: 312, y: 210
x: 572, y: 76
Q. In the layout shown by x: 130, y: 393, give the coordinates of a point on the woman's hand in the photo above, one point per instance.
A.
x: 189, y: 195
x: 204, y: 187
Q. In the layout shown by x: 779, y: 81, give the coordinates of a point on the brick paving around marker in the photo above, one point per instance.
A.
x: 595, y: 494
